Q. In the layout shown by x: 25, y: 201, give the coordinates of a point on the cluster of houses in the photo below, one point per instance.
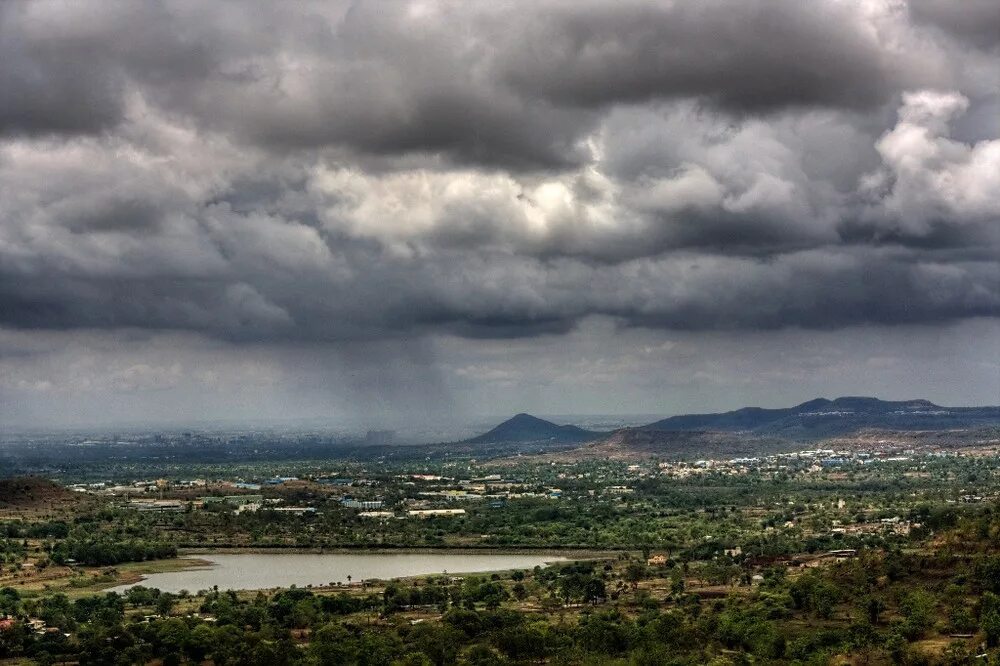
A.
x: 238, y: 504
x: 367, y: 508
x: 895, y: 525
x: 808, y: 461
x: 36, y: 625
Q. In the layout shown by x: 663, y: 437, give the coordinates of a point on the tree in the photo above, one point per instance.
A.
x: 483, y: 655
x: 521, y: 643
x: 635, y: 572
x: 165, y: 603
x: 172, y: 634
x: 918, y: 609
x: 439, y: 642
x: 872, y: 607
x: 333, y: 644
x: 200, y: 642
x: 988, y: 574
x: 594, y: 590
x: 676, y: 581
x: 989, y: 619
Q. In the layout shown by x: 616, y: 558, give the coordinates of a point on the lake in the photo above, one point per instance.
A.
x: 256, y: 571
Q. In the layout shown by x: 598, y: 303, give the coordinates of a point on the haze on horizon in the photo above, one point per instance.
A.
x: 385, y: 211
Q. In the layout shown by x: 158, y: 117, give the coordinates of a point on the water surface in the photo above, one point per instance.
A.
x: 257, y: 571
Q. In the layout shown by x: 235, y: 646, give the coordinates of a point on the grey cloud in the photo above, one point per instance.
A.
x: 502, y: 87
x: 53, y: 87
x: 54, y: 378
x: 745, y: 57
x: 312, y: 173
x: 381, y: 81
x: 503, y: 296
x: 373, y: 79
x: 977, y: 21
x: 67, y: 69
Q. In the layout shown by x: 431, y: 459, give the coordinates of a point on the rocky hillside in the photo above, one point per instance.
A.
x: 822, y: 418
x: 527, y: 428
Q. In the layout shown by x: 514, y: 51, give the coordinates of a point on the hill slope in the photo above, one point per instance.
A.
x: 32, y: 492
x: 633, y: 444
x: 528, y: 428
x: 826, y: 418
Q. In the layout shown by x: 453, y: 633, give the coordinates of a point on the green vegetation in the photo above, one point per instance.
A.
x: 785, y: 561
x: 881, y: 607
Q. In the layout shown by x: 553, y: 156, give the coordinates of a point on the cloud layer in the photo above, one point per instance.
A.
x: 313, y: 172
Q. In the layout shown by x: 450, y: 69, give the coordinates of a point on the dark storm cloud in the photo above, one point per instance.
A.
x: 370, y: 78
x: 308, y: 171
x: 500, y: 87
x: 508, y: 86
x: 68, y: 69
x: 51, y: 87
x: 502, y: 296
x: 746, y: 56
x: 977, y: 21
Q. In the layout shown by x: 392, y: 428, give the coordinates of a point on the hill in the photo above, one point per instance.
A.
x: 843, y: 423
x: 32, y: 492
x: 528, y: 429
x: 635, y: 444
x: 821, y: 418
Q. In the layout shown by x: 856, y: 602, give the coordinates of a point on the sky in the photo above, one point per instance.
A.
x: 385, y: 211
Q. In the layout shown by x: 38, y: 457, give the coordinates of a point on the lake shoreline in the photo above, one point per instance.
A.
x: 269, y: 570
x: 569, y: 553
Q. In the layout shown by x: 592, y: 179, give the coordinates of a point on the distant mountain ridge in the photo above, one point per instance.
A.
x: 825, y: 418
x: 815, y: 419
x: 527, y: 428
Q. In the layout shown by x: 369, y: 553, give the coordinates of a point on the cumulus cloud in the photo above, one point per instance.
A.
x: 315, y: 171
x: 482, y: 84
x: 930, y: 182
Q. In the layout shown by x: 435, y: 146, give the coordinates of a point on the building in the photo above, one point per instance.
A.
x: 278, y: 480
x: 235, y: 500
x: 430, y: 513
x: 294, y: 510
x: 832, y: 556
x: 382, y: 515
x: 158, y: 506
x: 367, y: 505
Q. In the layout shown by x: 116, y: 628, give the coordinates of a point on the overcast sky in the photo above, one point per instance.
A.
x: 370, y: 210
